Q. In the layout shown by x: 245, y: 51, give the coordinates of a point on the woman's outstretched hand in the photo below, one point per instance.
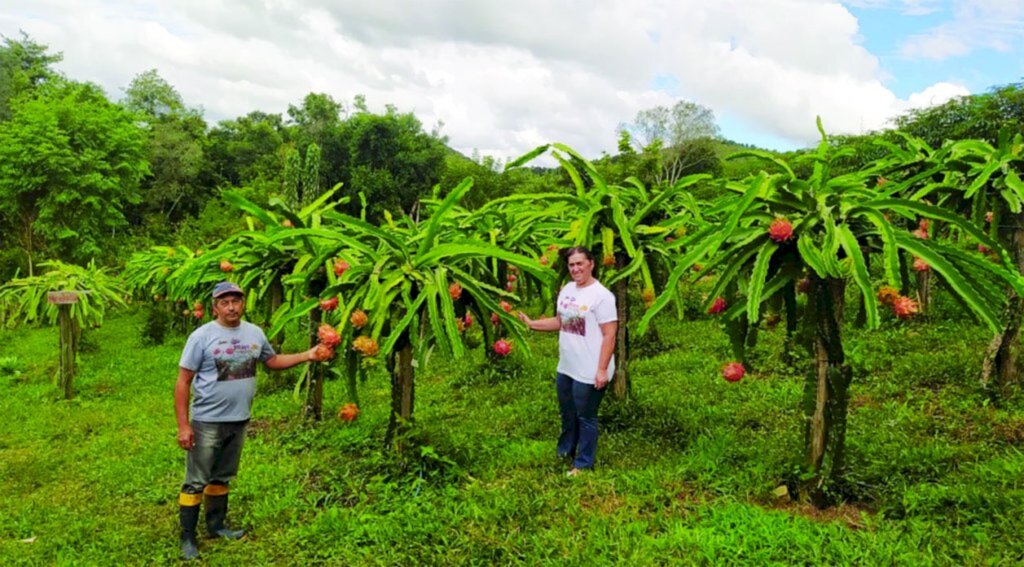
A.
x: 525, y: 319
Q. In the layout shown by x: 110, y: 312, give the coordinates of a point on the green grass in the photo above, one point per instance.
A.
x: 686, y: 470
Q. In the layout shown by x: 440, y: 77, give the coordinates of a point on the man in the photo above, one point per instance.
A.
x: 218, y: 365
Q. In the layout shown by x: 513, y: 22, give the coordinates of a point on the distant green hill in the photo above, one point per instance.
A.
x: 741, y: 167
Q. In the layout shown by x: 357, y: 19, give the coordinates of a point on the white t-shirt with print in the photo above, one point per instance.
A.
x: 582, y: 310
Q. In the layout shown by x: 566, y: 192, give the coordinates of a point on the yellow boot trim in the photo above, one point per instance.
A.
x: 215, y: 490
x: 186, y: 499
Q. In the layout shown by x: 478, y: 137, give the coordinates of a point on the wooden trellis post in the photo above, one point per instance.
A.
x: 68, y: 339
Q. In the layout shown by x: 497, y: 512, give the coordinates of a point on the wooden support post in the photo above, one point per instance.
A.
x: 68, y: 339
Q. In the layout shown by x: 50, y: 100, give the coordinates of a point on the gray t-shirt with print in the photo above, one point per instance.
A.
x: 224, y: 360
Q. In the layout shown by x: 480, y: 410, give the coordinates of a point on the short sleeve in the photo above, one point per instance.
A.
x: 605, y: 311
x: 192, y: 356
x: 266, y: 350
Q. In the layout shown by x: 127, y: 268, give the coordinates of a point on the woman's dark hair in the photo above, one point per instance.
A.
x: 566, y: 252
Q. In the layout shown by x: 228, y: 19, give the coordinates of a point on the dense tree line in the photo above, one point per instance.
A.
x: 84, y: 177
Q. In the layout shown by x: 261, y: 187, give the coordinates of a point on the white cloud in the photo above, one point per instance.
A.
x: 936, y: 94
x: 919, y: 7
x: 976, y: 24
x: 905, y: 7
x: 501, y: 77
x: 938, y: 44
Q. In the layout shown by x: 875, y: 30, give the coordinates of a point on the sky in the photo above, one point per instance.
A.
x: 500, y: 78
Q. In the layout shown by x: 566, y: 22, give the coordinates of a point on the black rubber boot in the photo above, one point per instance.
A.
x: 189, y: 516
x: 216, y: 513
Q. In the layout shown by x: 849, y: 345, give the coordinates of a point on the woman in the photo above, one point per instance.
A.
x: 586, y: 321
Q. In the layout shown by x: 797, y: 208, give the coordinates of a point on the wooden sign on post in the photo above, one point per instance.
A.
x: 62, y: 297
x: 68, y: 338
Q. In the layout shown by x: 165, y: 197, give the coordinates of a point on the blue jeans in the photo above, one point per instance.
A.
x: 577, y: 403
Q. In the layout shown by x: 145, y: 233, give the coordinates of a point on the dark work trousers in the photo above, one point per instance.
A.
x: 214, y: 456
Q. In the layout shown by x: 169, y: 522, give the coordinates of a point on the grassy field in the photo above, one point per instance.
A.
x: 686, y: 471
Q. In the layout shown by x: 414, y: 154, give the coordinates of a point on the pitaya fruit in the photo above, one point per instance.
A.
x: 647, y: 295
x: 329, y: 304
x: 904, y: 307
x: 502, y: 347
x: 348, y: 412
x: 780, y: 230
x: 717, y: 306
x: 365, y: 345
x: 733, y: 372
x: 340, y: 266
x: 324, y: 352
x: 455, y: 290
x: 358, y: 319
x: 887, y: 295
x: 328, y: 335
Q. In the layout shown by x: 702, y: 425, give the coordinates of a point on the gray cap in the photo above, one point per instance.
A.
x: 224, y: 288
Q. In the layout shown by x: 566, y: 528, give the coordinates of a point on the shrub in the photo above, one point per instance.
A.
x: 154, y: 329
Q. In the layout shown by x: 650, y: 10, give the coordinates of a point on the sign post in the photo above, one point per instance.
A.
x: 68, y: 338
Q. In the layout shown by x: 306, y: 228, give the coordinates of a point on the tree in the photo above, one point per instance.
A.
x: 175, y: 188
x: 388, y: 158
x: 152, y: 276
x: 403, y: 276
x: 984, y: 168
x: 248, y: 150
x: 983, y: 182
x: 391, y: 160
x: 489, y: 182
x: 398, y: 276
x: 781, y: 229
x: 675, y: 138
x: 152, y: 97
x: 179, y: 182
x: 317, y: 119
x: 70, y: 162
x: 979, y: 117
x: 24, y: 67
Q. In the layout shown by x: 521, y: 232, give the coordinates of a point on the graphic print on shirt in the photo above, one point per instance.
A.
x: 234, y: 360
x: 572, y: 316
